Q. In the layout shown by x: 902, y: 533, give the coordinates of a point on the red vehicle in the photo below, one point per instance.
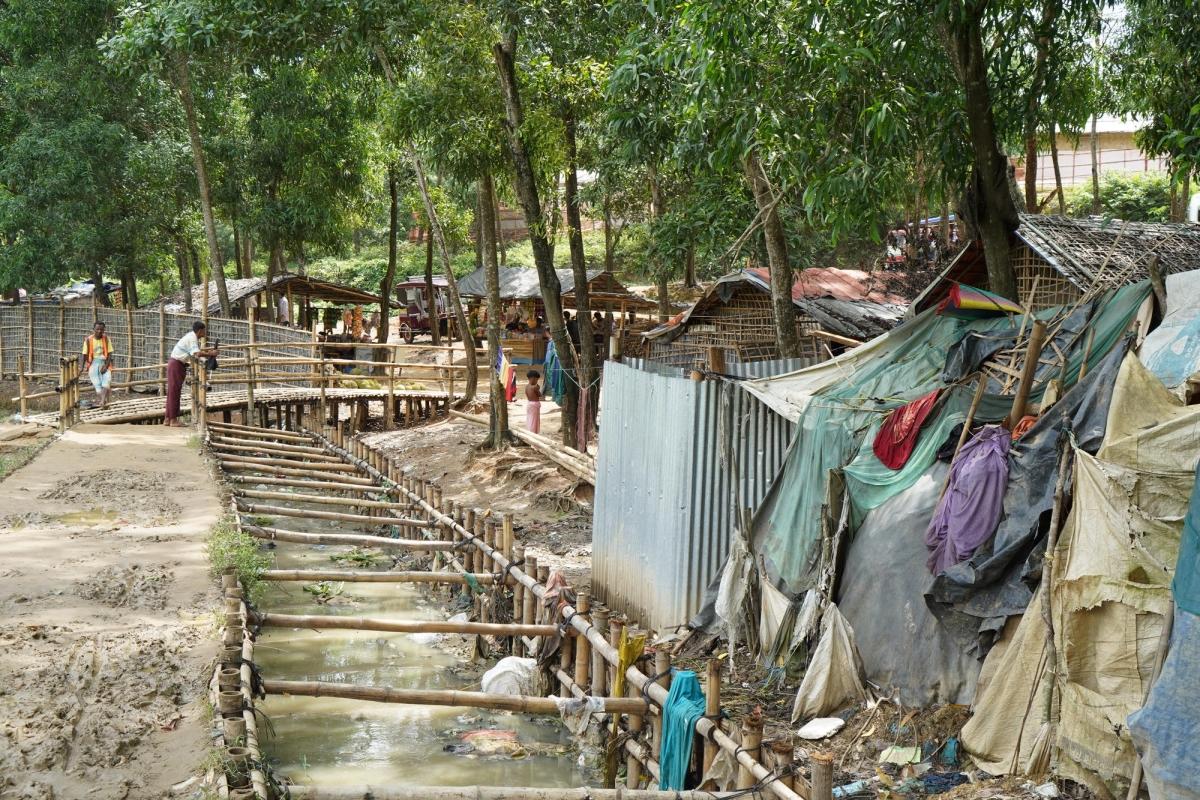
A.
x: 413, y: 301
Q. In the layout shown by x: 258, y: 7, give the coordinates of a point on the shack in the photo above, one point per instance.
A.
x: 1059, y: 259
x: 520, y: 292
x: 255, y: 293
x: 837, y: 308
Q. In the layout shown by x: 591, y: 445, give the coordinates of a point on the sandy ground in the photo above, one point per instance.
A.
x: 106, y: 621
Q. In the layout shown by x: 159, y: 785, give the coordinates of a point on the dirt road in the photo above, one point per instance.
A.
x: 106, y: 616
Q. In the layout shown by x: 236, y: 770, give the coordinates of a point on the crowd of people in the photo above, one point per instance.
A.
x: 921, y: 247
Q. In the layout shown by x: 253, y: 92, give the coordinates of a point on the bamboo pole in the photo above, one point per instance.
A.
x: 21, y: 386
x: 523, y: 704
x: 783, y: 753
x: 633, y: 767
x: 279, y: 465
x: 712, y: 708
x: 261, y: 433
x: 353, y: 539
x: 332, y: 486
x: 376, y: 792
x: 1033, y: 352
x: 599, y: 673
x: 320, y: 499
x: 162, y: 348
x: 822, y: 776
x: 662, y: 669
x: 251, y: 331
x: 29, y: 326
x: 231, y: 442
x: 280, y: 511
x: 370, y: 576
x: 752, y: 728
x: 62, y: 330
x: 980, y: 390
x: 518, y: 598
x: 331, y: 622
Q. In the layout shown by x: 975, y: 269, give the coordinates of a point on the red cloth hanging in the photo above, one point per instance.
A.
x: 898, y: 434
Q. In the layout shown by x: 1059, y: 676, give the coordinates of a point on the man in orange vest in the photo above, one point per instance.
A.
x: 97, y: 361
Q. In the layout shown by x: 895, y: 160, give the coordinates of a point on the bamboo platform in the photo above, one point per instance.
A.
x: 154, y: 407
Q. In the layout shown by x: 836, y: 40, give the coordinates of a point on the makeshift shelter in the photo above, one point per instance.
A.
x: 735, y: 315
x: 1057, y: 259
x: 253, y: 292
x: 1108, y: 602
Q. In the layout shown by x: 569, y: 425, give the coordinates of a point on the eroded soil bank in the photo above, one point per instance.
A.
x: 106, y: 615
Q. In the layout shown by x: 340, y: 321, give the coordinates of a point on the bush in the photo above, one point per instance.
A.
x: 230, y: 548
x: 1137, y: 197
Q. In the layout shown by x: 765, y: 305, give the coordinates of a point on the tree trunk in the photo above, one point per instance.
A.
x: 389, y: 277
x: 689, y: 267
x: 990, y: 200
x: 526, y: 185
x: 1058, y: 184
x: 185, y: 274
x: 184, y: 85
x: 98, y: 288
x: 777, y: 258
x: 430, y: 294
x: 500, y: 243
x: 435, y: 228
x: 609, y: 244
x: 588, y: 371
x: 1033, y: 104
x: 237, y: 252
x: 662, y: 277
x: 498, y: 412
x: 944, y: 244
x: 273, y: 269
x: 248, y: 257
x: 1096, y: 207
x: 301, y: 260
x: 129, y: 289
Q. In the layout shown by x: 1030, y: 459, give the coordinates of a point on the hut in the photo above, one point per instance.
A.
x: 837, y: 308
x: 1058, y: 260
x: 520, y: 291
x: 255, y: 293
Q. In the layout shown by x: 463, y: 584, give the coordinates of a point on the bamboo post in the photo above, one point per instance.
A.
x: 519, y: 599
x: 781, y: 750
x: 162, y: 349
x: 615, y: 625
x: 599, y: 665
x: 529, y: 604
x: 752, y: 728
x: 129, y: 336
x: 389, y: 406
x: 450, y: 383
x: 662, y: 668
x: 566, y: 662
x: 633, y: 767
x: 29, y: 330
x: 712, y: 708
x: 251, y: 331
x: 21, y: 386
x: 1033, y: 352
x: 202, y: 395
x: 583, y: 655
x: 62, y: 397
x: 62, y: 328
x: 822, y: 776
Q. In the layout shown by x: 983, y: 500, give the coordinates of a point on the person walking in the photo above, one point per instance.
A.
x: 187, y: 348
x: 97, y: 361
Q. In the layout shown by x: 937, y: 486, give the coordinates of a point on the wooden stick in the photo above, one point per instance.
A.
x: 1032, y: 353
x: 280, y: 511
x: 320, y: 499
x: 980, y: 390
x: 377, y: 792
x: 369, y: 576
x: 439, y: 697
x: 329, y: 621
x: 355, y: 540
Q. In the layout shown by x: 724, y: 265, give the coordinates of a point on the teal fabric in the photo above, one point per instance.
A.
x: 1186, y: 585
x: 836, y: 428
x: 684, y: 706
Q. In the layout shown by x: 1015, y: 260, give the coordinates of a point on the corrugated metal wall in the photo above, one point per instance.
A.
x: 665, y: 500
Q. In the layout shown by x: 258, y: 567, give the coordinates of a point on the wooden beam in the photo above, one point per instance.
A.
x: 363, y: 519
x: 352, y: 539
x: 523, y: 704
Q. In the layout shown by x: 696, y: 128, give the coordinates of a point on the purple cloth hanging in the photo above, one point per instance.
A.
x: 968, y: 512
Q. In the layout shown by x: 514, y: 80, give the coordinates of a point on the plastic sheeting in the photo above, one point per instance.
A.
x: 834, y: 676
x: 1172, y: 350
x: 883, y: 585
x: 1113, y: 567
x: 1165, y: 729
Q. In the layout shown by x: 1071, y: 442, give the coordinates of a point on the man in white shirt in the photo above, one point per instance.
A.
x: 185, y: 349
x: 285, y: 316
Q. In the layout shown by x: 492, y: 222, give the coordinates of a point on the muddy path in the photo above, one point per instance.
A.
x: 106, y: 616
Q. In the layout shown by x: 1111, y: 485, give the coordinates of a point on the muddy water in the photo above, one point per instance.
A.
x: 337, y: 742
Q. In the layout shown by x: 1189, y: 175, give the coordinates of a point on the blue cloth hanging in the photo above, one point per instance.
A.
x: 684, y: 706
x: 554, y: 379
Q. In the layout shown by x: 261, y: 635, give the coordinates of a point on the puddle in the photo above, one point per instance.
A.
x: 334, y: 742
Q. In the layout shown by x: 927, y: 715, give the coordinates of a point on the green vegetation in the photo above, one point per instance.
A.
x: 324, y: 591
x: 1139, y: 198
x: 229, y: 548
x: 13, y: 460
x: 358, y: 557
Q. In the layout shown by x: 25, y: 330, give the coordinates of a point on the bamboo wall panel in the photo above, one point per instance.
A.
x: 666, y: 492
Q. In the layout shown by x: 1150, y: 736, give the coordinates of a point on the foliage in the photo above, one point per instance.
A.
x: 1134, y: 197
x: 230, y: 548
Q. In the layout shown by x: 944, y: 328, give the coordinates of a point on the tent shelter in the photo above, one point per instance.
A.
x: 1059, y: 259
x: 735, y: 315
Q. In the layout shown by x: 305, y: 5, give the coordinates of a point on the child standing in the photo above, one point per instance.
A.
x: 533, y: 402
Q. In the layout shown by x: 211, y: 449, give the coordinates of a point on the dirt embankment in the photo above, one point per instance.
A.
x: 551, y: 509
x: 106, y: 620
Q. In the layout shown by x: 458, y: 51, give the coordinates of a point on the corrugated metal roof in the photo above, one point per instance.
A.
x: 517, y: 283
x: 666, y: 493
